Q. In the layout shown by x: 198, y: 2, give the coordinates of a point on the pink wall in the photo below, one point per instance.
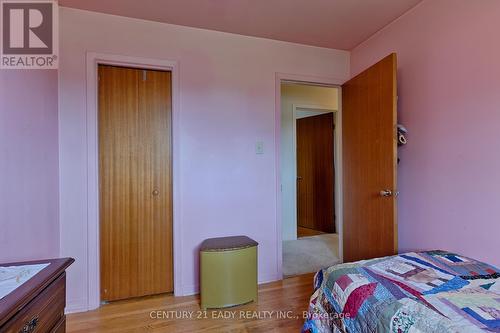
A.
x: 29, y: 202
x: 449, y: 99
x: 227, y: 104
x: 449, y: 76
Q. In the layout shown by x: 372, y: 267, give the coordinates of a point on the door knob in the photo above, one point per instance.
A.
x: 156, y: 193
x: 299, y: 178
x: 386, y: 193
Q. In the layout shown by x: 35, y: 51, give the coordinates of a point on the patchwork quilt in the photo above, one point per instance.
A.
x: 432, y: 291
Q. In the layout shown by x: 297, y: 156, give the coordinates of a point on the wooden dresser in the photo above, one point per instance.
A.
x: 37, y: 306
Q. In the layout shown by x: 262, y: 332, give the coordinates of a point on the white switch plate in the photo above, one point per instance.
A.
x: 259, y: 147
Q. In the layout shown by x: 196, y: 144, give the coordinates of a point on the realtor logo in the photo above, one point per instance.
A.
x: 29, y: 34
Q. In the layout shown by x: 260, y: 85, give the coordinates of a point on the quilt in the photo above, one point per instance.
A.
x: 431, y: 291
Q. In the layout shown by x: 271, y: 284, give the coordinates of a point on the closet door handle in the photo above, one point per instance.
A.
x: 155, y: 193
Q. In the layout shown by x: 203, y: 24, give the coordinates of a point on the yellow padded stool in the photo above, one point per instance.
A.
x: 228, y: 272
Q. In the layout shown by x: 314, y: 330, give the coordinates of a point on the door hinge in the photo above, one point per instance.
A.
x: 144, y: 75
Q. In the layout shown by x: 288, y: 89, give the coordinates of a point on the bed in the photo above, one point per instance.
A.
x: 431, y: 291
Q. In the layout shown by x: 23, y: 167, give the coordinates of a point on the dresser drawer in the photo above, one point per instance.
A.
x: 43, y: 313
x: 60, y: 326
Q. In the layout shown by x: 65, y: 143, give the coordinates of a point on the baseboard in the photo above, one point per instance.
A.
x: 82, y: 305
x: 270, y: 278
x: 76, y: 306
x: 190, y: 290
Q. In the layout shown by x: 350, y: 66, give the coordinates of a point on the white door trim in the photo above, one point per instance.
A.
x: 93, y: 60
x: 337, y: 156
x: 305, y: 79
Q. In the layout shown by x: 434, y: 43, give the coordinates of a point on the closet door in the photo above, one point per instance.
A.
x: 135, y: 182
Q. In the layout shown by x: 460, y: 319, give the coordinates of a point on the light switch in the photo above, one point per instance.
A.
x: 259, y: 147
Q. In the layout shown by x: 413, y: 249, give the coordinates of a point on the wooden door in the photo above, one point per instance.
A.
x: 315, y: 173
x: 369, y: 162
x: 135, y: 176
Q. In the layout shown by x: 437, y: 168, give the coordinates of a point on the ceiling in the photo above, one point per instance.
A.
x: 339, y: 24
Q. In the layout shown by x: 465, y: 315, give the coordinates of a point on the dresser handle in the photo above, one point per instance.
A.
x: 30, y: 326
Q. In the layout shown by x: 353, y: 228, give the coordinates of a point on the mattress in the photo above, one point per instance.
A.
x: 431, y: 291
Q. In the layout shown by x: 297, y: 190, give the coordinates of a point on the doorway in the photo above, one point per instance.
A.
x: 135, y: 182
x: 310, y: 152
x: 366, y: 192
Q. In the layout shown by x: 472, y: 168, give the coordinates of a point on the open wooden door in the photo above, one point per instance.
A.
x: 369, y: 123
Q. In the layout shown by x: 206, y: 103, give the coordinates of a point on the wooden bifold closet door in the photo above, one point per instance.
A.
x: 135, y: 179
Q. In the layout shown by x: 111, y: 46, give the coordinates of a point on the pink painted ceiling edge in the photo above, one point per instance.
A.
x: 337, y: 24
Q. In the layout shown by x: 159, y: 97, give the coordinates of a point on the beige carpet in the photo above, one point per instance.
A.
x: 310, y: 254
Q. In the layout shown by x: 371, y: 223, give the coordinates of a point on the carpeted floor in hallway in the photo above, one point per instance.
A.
x: 310, y: 254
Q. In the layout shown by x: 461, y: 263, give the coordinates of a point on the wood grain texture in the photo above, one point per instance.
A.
x: 155, y: 172
x: 47, y: 309
x: 305, y: 232
x: 291, y: 294
x: 28, y: 292
x: 369, y: 162
x: 60, y: 326
x: 135, y: 178
x: 316, y: 174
